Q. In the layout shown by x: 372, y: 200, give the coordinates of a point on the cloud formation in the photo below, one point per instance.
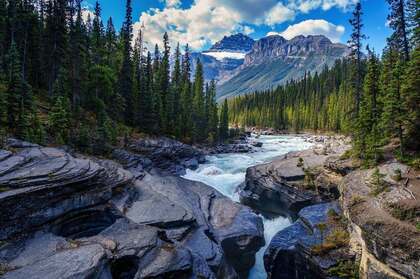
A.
x: 207, y: 21
x: 313, y: 27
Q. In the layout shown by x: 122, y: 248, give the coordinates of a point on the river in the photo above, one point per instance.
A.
x: 225, y: 172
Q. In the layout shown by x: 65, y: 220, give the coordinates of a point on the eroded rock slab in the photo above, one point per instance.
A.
x: 297, y: 251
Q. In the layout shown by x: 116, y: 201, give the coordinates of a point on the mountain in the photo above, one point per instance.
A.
x: 273, y: 60
x: 224, y: 56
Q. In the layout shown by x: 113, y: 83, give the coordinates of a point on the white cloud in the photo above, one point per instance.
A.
x: 312, y: 27
x: 306, y: 6
x: 207, y: 21
x: 86, y: 13
x: 279, y: 14
x: 172, y: 3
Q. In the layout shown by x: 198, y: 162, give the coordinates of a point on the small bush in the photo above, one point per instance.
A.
x: 397, y: 175
x: 377, y: 182
x: 336, y: 239
x: 355, y: 200
x: 418, y: 226
x: 4, y: 268
x: 300, y: 162
x: 345, y: 269
x: 309, y: 180
x: 346, y: 155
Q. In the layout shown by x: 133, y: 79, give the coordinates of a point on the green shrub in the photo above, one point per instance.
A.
x: 345, y: 270
x: 397, y: 175
x: 377, y: 183
x: 300, y: 162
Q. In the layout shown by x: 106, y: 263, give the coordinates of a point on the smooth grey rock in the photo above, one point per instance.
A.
x: 45, y: 183
x: 289, y: 254
x: 83, y: 262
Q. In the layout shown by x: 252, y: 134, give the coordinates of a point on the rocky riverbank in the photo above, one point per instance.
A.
x: 71, y: 216
x: 349, y: 221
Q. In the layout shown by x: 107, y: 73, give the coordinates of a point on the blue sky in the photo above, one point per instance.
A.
x: 202, y: 22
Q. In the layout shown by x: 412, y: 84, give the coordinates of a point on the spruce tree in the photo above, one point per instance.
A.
x: 411, y: 100
x: 224, y: 122
x: 355, y: 44
x: 126, y: 73
x: 175, y: 96
x: 186, y: 98
x: 368, y: 122
x: 198, y: 109
x: 19, y: 96
x: 164, y: 85
x: 397, y: 19
x: 59, y: 120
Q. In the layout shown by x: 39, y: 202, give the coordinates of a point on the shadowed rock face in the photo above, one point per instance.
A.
x: 167, y: 154
x: 66, y: 217
x: 290, y: 255
x: 279, y: 186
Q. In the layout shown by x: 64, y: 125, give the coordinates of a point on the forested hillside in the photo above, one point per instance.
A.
x: 68, y: 80
x: 374, y: 99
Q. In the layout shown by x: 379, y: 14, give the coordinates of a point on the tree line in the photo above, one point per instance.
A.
x: 374, y: 99
x: 68, y: 80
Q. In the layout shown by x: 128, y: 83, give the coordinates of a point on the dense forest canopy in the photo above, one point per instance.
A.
x: 373, y: 99
x: 72, y: 81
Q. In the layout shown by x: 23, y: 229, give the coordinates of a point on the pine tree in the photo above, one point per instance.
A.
x: 224, y: 122
x: 149, y: 123
x: 126, y: 73
x: 411, y: 100
x: 59, y: 120
x: 19, y: 96
x: 164, y: 84
x: 98, y: 47
x: 397, y: 19
x: 355, y: 44
x: 393, y: 115
x: 175, y: 96
x: 186, y: 98
x: 199, y: 125
x: 367, y: 141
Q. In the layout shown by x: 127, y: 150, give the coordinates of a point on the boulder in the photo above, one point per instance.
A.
x: 167, y: 154
x: 40, y: 184
x: 75, y: 217
x: 303, y: 250
x: 293, y: 181
x: 277, y: 187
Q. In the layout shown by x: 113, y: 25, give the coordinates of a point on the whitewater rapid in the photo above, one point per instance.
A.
x: 225, y: 172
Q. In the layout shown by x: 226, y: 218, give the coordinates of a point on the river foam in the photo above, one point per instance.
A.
x: 225, y: 172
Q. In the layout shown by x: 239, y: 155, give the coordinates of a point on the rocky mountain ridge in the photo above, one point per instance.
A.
x: 242, y: 65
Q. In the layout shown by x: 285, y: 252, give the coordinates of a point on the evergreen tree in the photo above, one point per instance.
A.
x: 19, y: 96
x: 175, y: 95
x: 186, y: 98
x: 98, y: 47
x: 397, y: 19
x: 355, y: 44
x: 411, y: 100
x: 163, y: 79
x: 224, y: 122
x: 393, y: 115
x: 59, y: 120
x: 367, y: 146
x: 126, y: 73
x: 198, y: 109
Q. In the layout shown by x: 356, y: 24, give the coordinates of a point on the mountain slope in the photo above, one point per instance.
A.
x: 224, y: 56
x: 274, y: 60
